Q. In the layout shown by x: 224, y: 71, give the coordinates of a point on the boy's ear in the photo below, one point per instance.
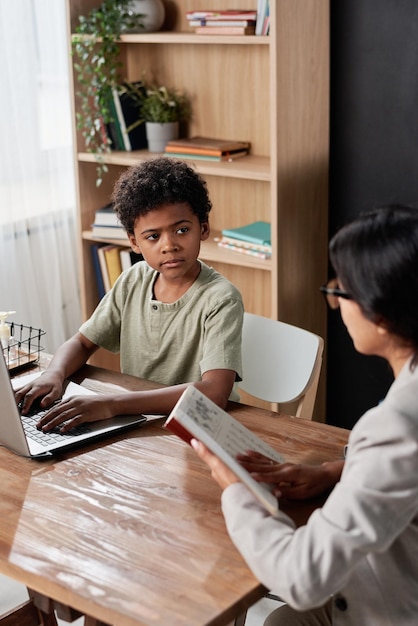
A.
x: 204, y: 231
x: 134, y: 245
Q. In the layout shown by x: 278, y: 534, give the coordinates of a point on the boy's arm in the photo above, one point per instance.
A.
x: 216, y: 384
x: 69, y: 357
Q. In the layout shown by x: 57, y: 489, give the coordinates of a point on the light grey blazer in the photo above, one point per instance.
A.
x: 361, y: 547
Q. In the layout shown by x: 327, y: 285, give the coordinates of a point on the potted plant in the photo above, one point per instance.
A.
x: 97, y: 67
x: 162, y: 109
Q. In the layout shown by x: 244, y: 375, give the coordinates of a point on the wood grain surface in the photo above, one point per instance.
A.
x: 129, y: 530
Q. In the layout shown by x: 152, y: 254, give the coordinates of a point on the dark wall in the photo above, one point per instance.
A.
x: 374, y: 158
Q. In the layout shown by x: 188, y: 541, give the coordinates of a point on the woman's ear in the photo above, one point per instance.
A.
x: 381, y: 327
x: 134, y: 245
x: 204, y: 231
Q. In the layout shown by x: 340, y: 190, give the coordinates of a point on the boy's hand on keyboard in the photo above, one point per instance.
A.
x: 39, y: 394
x: 75, y: 411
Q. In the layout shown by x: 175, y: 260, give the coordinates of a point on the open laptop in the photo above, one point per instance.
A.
x: 16, y: 435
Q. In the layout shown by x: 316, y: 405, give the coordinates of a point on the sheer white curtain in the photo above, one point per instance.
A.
x: 38, y: 260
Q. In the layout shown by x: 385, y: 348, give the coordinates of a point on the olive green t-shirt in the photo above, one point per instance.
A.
x: 170, y: 343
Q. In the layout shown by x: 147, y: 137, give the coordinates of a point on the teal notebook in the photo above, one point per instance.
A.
x: 256, y: 232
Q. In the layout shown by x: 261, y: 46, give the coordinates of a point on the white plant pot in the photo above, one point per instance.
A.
x: 153, y: 12
x: 159, y: 134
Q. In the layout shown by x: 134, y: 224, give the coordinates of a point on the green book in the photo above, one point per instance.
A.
x: 114, y: 127
x: 256, y: 232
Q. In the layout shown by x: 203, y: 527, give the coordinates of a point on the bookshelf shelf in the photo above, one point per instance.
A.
x: 271, y: 91
x: 249, y: 167
x: 87, y: 235
x: 193, y: 39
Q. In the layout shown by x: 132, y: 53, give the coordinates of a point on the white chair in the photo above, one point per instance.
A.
x: 281, y: 363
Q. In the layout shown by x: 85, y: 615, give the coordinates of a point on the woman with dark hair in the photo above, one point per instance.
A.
x: 355, y: 562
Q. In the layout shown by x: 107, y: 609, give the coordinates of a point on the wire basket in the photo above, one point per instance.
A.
x: 24, y: 346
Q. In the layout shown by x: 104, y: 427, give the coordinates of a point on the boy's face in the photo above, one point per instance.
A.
x: 169, y: 239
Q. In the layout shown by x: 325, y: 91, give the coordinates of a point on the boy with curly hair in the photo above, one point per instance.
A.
x: 173, y: 319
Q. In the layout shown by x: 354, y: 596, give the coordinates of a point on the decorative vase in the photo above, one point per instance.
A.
x: 159, y: 134
x: 153, y: 12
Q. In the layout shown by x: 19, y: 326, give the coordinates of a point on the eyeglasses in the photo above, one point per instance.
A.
x: 332, y: 292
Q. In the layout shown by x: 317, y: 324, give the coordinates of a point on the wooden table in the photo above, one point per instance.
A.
x: 129, y: 530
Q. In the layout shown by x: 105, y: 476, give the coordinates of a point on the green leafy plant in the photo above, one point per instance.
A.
x: 161, y: 105
x: 97, y: 66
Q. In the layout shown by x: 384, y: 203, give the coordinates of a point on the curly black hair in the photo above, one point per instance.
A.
x: 145, y: 187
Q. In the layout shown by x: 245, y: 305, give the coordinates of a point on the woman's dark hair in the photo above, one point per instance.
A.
x: 376, y: 260
x: 147, y: 186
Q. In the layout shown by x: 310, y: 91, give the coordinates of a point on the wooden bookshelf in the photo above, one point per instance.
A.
x: 272, y: 91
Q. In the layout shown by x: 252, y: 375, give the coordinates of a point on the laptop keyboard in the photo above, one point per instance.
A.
x: 52, y: 436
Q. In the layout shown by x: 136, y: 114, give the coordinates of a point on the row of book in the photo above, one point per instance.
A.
x: 109, y: 262
x: 126, y: 131
x: 253, y: 239
x: 232, y: 22
x: 207, y: 148
x: 263, y: 18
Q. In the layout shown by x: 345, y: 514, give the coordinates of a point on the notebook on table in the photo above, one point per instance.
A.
x: 18, y: 432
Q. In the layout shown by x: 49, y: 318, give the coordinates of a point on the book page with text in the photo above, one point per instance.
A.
x: 225, y: 437
x: 227, y: 431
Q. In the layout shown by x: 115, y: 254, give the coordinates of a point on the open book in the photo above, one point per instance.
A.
x: 195, y: 416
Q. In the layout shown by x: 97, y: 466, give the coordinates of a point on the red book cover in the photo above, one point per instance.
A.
x: 225, y: 30
x: 179, y: 430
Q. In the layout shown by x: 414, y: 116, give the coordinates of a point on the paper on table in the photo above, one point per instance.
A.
x: 71, y: 389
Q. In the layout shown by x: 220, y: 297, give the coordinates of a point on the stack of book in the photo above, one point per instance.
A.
x: 106, y: 224
x: 223, y: 22
x: 207, y: 148
x: 253, y: 239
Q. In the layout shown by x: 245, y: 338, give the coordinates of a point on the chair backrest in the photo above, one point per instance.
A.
x: 281, y: 363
